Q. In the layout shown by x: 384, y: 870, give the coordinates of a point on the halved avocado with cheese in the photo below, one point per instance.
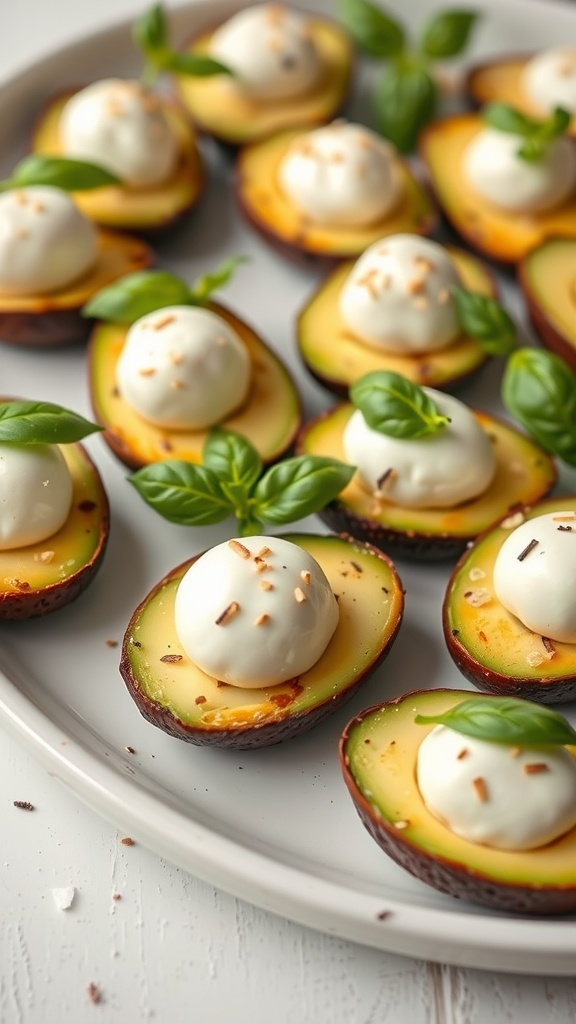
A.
x: 175, y: 695
x: 490, y: 646
x: 547, y: 276
x: 524, y: 474
x: 219, y: 108
x: 43, y: 577
x: 378, y: 755
x: 54, y: 319
x: 146, y: 209
x: 500, y: 80
x: 337, y: 358
x: 271, y: 212
x: 269, y: 418
x: 495, y: 233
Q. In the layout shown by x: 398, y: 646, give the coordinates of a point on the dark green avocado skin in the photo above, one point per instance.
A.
x: 408, y: 546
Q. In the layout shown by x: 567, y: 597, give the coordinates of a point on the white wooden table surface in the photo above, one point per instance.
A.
x: 172, y: 948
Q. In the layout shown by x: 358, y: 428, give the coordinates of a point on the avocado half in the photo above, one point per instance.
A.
x: 524, y: 474
x: 40, y: 578
x: 271, y: 213
x: 499, y: 235
x: 148, y: 209
x: 269, y: 418
x: 336, y: 358
x: 222, y: 111
x: 175, y: 695
x: 54, y: 319
x: 491, y: 647
x: 378, y: 753
x: 547, y: 277
x: 500, y: 81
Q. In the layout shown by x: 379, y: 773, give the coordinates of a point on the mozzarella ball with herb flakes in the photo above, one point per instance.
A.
x: 495, y: 169
x: 35, y: 493
x: 535, y: 575
x: 398, y: 296
x: 341, y: 175
x: 444, y: 469
x: 255, y: 611
x: 46, y: 244
x: 500, y: 796
x: 270, y: 51
x: 549, y: 80
x: 123, y: 127
x: 183, y: 368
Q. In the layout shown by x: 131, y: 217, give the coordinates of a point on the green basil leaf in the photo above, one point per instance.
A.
x: 484, y: 319
x: 197, y: 65
x: 42, y: 423
x: 182, y: 492
x: 539, y: 390
x: 505, y: 118
x: 136, y: 295
x: 447, y: 33
x: 510, y: 720
x: 204, y: 287
x: 372, y: 29
x: 405, y: 100
x: 395, y: 406
x: 150, y: 31
x: 71, y: 175
x: 298, y: 487
x: 535, y: 147
x: 232, y: 458
x: 557, y: 124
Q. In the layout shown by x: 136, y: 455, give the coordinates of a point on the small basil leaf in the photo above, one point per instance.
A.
x: 447, y: 33
x: 150, y: 31
x: 197, y: 65
x: 232, y: 458
x: 298, y: 487
x: 539, y: 390
x: 42, y: 423
x: 482, y: 318
x: 533, y: 150
x: 510, y: 720
x: 505, y: 118
x: 203, y: 288
x: 535, y: 147
x: 136, y: 295
x: 71, y: 175
x: 395, y: 406
x: 372, y: 29
x: 556, y: 125
x: 182, y: 492
x: 404, y: 101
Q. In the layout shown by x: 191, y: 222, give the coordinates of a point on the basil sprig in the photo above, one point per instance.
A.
x: 406, y: 95
x: 484, y: 319
x: 393, y: 405
x: 42, y: 423
x: 536, y: 135
x: 229, y: 482
x: 60, y: 172
x: 539, y: 390
x: 135, y: 295
x: 509, y: 720
x: 150, y: 33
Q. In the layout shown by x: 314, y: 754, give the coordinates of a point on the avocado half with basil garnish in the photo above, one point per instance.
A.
x: 547, y: 277
x: 222, y: 111
x: 500, y: 80
x: 272, y: 214
x: 378, y: 753
x: 44, y: 576
x: 175, y: 695
x: 495, y: 233
x: 489, y: 645
x: 269, y: 418
x: 146, y: 209
x: 336, y: 358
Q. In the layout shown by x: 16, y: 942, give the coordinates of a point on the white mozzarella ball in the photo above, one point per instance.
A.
x: 35, y: 493
x: 549, y: 80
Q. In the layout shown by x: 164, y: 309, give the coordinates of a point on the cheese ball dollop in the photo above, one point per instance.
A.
x: 255, y: 611
x: 183, y: 368
x: 549, y: 80
x: 35, y: 493
x: 398, y: 297
x: 45, y: 242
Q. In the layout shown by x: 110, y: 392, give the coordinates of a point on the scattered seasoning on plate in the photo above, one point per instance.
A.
x: 24, y: 805
x: 94, y: 994
x: 127, y: 841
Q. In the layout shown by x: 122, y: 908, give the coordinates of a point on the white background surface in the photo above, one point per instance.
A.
x: 172, y: 948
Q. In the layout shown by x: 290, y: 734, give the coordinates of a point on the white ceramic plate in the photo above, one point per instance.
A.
x: 275, y: 827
